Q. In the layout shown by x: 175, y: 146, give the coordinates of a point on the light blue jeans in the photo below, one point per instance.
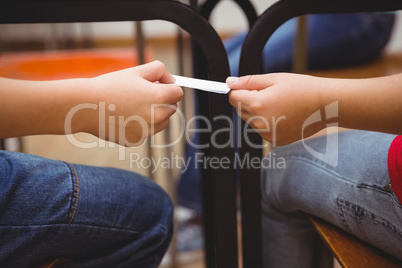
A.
x: 352, y: 195
x: 98, y: 217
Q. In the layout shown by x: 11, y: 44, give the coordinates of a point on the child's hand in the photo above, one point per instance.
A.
x: 277, y: 105
x: 139, y: 99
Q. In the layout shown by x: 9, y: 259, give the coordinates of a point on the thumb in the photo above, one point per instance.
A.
x: 250, y: 82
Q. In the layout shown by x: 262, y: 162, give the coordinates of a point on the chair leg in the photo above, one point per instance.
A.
x: 323, y: 256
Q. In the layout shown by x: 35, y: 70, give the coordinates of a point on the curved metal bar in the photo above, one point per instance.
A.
x: 251, y: 257
x: 248, y: 9
x: 220, y: 215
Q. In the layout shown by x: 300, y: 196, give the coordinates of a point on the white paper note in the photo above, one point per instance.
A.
x: 206, y: 85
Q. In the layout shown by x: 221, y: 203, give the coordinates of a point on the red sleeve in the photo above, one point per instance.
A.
x: 395, y: 166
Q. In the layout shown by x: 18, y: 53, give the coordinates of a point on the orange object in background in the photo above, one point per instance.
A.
x: 67, y: 64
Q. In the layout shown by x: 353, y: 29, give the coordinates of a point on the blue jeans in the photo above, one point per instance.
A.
x: 334, y: 40
x: 352, y: 195
x: 97, y: 217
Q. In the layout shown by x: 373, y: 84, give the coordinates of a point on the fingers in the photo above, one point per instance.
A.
x: 155, y: 72
x: 159, y: 127
x: 250, y: 82
x: 166, y: 93
x: 248, y: 94
x: 161, y: 112
x: 243, y: 99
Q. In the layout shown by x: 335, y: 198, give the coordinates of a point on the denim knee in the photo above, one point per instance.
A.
x: 137, y: 212
x: 164, y: 212
x: 105, y: 217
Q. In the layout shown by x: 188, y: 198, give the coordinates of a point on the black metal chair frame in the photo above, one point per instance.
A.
x: 214, y: 259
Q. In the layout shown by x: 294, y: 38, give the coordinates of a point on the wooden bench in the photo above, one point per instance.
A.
x: 351, y: 252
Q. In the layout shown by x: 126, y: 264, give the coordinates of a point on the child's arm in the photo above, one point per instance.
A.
x: 41, y: 107
x: 278, y: 105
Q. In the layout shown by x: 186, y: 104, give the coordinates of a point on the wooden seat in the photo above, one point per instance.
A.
x: 350, y: 251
